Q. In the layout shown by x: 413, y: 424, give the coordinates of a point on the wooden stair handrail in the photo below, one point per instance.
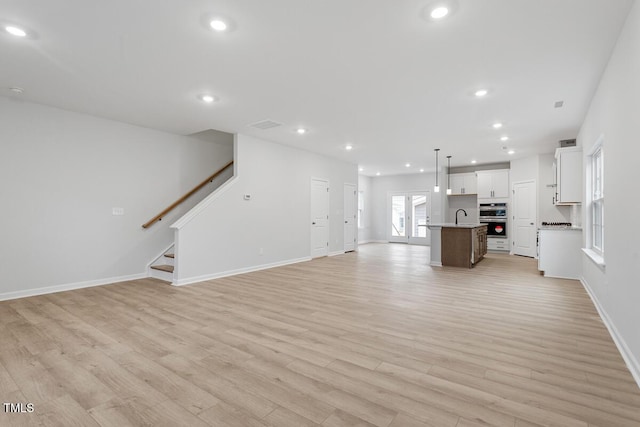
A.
x: 185, y: 197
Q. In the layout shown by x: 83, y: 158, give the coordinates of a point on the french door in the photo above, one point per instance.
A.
x: 409, y: 214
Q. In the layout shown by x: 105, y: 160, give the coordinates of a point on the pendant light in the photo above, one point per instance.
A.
x: 448, y: 175
x: 436, y: 188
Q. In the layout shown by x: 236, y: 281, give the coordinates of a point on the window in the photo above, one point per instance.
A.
x: 596, y: 196
x: 360, y: 207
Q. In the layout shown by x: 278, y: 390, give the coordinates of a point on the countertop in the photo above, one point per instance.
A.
x: 552, y: 227
x: 452, y: 225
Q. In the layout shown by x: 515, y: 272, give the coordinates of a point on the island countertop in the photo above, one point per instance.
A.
x: 457, y: 245
x: 452, y: 225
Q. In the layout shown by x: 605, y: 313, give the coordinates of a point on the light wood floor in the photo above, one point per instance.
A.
x: 370, y: 338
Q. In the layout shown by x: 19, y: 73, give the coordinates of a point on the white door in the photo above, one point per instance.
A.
x: 410, y: 212
x: 524, y: 218
x: 350, y: 202
x: 319, y: 218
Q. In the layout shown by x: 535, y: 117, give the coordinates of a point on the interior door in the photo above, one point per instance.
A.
x: 319, y: 217
x: 410, y: 212
x: 350, y: 203
x: 524, y: 218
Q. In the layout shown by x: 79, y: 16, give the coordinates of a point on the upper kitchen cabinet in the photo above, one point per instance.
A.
x: 463, y: 183
x: 568, y: 176
x: 493, y: 184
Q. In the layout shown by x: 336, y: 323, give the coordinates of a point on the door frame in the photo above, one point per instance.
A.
x: 407, y: 239
x: 325, y: 180
x: 512, y: 214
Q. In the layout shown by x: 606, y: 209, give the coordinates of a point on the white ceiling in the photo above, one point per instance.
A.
x: 371, y: 73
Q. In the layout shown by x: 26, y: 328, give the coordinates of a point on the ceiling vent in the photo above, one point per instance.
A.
x: 567, y: 143
x: 265, y: 124
x: 558, y: 104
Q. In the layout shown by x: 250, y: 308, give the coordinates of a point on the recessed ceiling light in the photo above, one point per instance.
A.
x: 349, y: 147
x: 218, y: 25
x: 301, y: 131
x: 361, y: 169
x: 482, y: 92
x: 511, y: 152
x: 473, y: 162
x: 377, y: 173
x: 497, y: 125
x: 16, y: 31
x: 407, y: 165
x: 421, y: 170
x: 504, y: 138
x: 205, y: 97
x: 17, y: 90
x: 439, y: 12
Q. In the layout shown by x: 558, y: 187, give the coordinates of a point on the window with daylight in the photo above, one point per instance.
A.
x: 360, y: 207
x: 596, y: 208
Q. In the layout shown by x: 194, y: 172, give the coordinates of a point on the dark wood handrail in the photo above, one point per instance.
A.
x: 185, y: 197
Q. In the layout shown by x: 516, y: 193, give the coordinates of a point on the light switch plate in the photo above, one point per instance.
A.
x: 117, y: 211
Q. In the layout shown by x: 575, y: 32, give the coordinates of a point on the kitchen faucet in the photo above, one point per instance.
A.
x: 465, y: 214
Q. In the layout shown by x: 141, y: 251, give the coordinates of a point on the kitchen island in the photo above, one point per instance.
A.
x: 458, y: 245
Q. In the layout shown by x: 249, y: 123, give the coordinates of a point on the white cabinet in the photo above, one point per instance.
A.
x: 496, y: 244
x: 559, y: 253
x: 463, y: 183
x: 493, y: 184
x: 568, y: 176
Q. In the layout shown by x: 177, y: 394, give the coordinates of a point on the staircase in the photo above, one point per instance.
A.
x: 162, y: 267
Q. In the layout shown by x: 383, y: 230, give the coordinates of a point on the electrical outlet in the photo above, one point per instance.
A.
x: 117, y: 211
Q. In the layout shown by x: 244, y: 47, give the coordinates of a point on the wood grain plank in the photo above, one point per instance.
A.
x: 374, y: 337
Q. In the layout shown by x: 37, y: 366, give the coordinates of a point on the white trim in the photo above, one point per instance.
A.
x: 70, y: 286
x: 435, y: 264
x: 632, y: 363
x: 595, y: 257
x: 588, y: 213
x: 334, y: 253
x: 191, y: 280
x: 195, y: 211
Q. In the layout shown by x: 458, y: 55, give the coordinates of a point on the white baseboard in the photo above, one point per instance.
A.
x: 435, y: 264
x: 191, y: 280
x: 336, y: 253
x: 632, y: 363
x: 69, y: 287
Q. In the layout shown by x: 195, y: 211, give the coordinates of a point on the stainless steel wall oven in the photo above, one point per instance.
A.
x: 495, y: 216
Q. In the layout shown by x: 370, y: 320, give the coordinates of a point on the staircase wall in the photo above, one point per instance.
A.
x: 63, y: 172
x: 232, y: 235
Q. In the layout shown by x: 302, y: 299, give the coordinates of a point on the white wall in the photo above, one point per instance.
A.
x: 366, y: 231
x: 467, y: 202
x: 63, y: 172
x: 382, y: 185
x: 540, y: 169
x: 614, y: 114
x: 273, y: 228
x: 547, y: 211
